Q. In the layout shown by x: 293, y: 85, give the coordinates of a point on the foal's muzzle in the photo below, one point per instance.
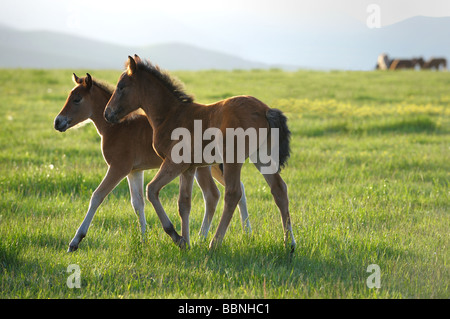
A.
x: 62, y: 123
x: 111, y: 117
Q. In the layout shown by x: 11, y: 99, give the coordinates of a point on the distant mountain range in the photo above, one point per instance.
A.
x: 44, y: 49
x: 354, y: 48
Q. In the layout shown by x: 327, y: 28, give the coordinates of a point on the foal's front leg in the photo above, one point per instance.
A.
x: 167, y: 172
x: 109, y: 182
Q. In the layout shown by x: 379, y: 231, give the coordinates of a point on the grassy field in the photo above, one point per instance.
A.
x: 368, y: 184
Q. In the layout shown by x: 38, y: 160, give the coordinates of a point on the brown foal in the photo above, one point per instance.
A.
x: 127, y: 149
x: 170, y: 109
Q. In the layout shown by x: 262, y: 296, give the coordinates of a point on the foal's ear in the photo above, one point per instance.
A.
x: 88, y: 81
x: 76, y: 79
x: 131, y: 67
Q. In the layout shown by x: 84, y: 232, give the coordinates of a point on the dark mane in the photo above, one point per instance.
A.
x: 173, y: 84
x: 108, y: 88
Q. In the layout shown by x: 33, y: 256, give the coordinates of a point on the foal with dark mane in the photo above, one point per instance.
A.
x: 169, y: 108
x: 127, y: 149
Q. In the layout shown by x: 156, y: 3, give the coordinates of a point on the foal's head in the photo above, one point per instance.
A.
x: 134, y: 82
x: 125, y: 97
x: 78, y: 104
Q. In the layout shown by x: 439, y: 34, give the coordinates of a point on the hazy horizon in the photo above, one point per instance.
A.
x: 263, y: 31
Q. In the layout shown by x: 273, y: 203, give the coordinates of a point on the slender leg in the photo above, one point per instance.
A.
x: 136, y: 185
x: 184, y: 202
x: 211, y: 197
x: 245, y: 221
x: 167, y: 172
x: 109, y: 182
x: 278, y: 189
x: 233, y: 193
x: 242, y: 205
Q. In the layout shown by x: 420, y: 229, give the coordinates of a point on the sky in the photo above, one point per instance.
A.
x: 228, y: 26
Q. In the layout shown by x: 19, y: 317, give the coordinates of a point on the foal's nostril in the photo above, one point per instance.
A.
x: 57, y: 123
x: 61, y: 123
x: 109, y: 116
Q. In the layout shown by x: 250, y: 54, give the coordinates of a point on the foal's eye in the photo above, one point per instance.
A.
x: 77, y: 100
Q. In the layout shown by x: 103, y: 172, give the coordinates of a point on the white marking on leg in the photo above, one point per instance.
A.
x: 244, y: 212
x: 109, y: 182
x: 84, y: 227
x: 136, y: 185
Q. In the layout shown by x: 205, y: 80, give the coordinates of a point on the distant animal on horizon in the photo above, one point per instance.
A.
x: 397, y: 64
x: 435, y: 63
x: 383, y: 62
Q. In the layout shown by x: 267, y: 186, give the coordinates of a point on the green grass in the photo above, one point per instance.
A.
x: 368, y: 184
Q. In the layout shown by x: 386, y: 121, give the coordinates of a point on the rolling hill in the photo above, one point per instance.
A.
x: 44, y: 49
x: 353, y: 47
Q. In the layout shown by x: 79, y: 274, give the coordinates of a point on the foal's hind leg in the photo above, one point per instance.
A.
x: 136, y: 185
x: 242, y: 205
x: 184, y: 202
x: 211, y: 197
x: 233, y: 193
x: 167, y: 172
x: 278, y: 189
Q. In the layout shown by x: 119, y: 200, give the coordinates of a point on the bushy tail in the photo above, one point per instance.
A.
x: 277, y: 119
